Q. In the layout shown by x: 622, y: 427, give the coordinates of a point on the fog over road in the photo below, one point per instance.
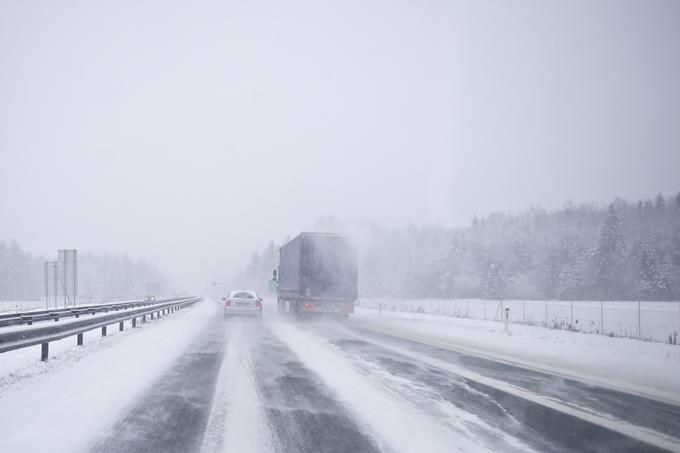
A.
x: 321, y: 386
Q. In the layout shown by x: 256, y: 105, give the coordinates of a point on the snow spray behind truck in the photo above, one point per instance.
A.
x: 317, y: 274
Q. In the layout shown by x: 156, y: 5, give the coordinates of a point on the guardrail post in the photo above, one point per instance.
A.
x: 120, y: 326
x: 44, y: 351
x: 103, y: 331
x: 134, y: 322
x: 56, y: 318
x: 79, y: 342
x: 144, y: 318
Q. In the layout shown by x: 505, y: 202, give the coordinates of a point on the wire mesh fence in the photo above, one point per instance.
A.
x: 651, y: 321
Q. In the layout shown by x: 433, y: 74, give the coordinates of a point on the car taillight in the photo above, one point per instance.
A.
x: 307, y: 306
x: 227, y: 303
x: 258, y: 303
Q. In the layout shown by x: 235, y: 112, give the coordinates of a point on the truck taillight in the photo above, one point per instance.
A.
x: 307, y: 306
x: 258, y: 303
x: 227, y: 303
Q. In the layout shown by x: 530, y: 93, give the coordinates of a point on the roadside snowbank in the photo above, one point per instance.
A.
x: 645, y: 368
x: 60, y: 405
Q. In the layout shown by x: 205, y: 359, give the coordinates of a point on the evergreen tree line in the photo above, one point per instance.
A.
x: 622, y: 251
x: 100, y: 277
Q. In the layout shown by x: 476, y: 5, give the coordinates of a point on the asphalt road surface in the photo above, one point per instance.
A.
x: 271, y: 386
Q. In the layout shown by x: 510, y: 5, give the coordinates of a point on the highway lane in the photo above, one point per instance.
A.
x: 240, y: 374
x: 173, y: 414
x: 540, y: 427
x: 301, y: 414
x: 648, y: 413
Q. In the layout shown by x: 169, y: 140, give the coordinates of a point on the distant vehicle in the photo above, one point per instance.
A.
x: 150, y: 298
x: 242, y: 303
x: 317, y: 274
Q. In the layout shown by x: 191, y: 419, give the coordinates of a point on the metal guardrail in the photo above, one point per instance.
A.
x: 13, y: 319
x: 43, y: 335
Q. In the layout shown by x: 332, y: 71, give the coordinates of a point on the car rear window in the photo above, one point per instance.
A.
x: 243, y: 295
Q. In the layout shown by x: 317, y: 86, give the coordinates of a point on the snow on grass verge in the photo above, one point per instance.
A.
x: 60, y: 405
x: 645, y: 368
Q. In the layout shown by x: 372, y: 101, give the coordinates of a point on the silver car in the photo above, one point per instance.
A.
x: 242, y: 303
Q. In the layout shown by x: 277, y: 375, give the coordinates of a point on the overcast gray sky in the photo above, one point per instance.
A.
x: 190, y: 133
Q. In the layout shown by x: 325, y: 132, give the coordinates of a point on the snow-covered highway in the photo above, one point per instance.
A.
x: 194, y: 382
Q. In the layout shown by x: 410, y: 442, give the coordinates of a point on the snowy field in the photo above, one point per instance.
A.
x: 653, y: 321
x: 8, y: 306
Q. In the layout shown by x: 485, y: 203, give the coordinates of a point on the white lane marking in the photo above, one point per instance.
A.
x: 639, y: 433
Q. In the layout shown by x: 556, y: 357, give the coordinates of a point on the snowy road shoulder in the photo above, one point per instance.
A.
x: 83, y: 391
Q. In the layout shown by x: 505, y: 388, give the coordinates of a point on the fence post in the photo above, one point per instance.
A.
x: 507, y: 319
x: 546, y: 313
x: 571, y: 306
x: 639, y: 322
x: 602, y: 317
